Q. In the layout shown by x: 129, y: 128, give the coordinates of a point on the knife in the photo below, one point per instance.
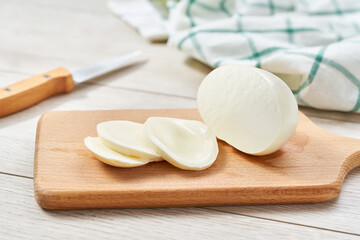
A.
x: 30, y: 91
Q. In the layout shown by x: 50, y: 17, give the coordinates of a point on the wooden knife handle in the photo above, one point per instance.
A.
x: 28, y: 92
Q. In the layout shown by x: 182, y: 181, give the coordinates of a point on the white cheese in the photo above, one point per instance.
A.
x: 249, y: 108
x: 127, y: 138
x: 186, y: 144
x: 111, y: 157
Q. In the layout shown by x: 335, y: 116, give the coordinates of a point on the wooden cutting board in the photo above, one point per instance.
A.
x: 310, y: 168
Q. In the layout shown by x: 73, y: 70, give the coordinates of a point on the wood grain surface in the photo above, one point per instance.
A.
x: 28, y: 92
x: 159, y: 223
x: 310, y: 168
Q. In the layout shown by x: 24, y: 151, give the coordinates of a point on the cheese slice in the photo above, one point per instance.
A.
x: 127, y: 138
x: 186, y: 144
x: 108, y: 156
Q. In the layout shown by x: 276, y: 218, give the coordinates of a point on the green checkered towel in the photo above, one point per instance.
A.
x: 313, y: 45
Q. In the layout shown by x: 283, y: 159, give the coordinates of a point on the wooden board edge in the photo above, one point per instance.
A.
x: 37, y: 192
x: 59, y: 199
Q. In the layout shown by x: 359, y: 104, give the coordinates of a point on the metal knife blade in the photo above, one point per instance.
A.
x: 104, y: 66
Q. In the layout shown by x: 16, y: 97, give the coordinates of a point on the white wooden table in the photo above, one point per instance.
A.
x: 39, y: 35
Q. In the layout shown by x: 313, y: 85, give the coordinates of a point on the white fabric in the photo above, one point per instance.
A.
x: 314, y: 46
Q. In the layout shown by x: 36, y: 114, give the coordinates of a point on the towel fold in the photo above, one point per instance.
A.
x: 314, y: 46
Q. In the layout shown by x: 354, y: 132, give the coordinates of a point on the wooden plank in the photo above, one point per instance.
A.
x: 23, y: 219
x: 342, y: 214
x: 340, y: 116
x: 44, y: 29
x: 346, y: 129
x: 94, y: 6
x: 307, y: 169
x: 162, y: 75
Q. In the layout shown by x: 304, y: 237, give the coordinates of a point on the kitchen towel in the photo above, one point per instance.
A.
x: 314, y: 46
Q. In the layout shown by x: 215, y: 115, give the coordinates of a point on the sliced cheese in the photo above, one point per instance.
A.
x: 249, y: 108
x: 186, y: 144
x: 127, y: 138
x: 108, y: 156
